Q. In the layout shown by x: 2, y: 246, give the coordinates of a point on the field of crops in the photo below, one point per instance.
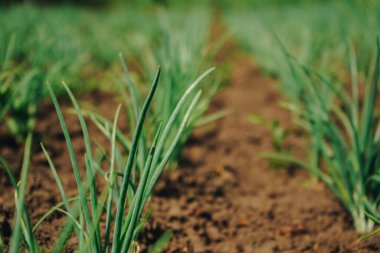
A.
x: 189, y: 126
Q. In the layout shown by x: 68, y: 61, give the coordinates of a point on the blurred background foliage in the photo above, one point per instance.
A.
x: 78, y: 40
x: 79, y: 44
x: 217, y: 3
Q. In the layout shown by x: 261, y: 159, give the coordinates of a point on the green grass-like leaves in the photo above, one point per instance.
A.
x: 345, y: 140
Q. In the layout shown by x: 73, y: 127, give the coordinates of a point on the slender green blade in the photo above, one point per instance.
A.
x: 21, y: 192
x: 124, y: 187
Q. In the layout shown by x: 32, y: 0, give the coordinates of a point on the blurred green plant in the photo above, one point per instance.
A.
x: 183, y: 52
x: 306, y: 47
x: 18, y: 96
x: 277, y: 131
x: 47, y: 44
x: 22, y: 227
x: 345, y: 138
x: 376, y: 231
x: 315, y: 33
x: 40, y: 45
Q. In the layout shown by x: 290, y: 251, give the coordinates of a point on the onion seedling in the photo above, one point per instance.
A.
x: 278, y: 132
x: 129, y: 197
x: 22, y: 233
x: 312, y: 31
x: 345, y: 136
x: 40, y: 45
x: 182, y: 52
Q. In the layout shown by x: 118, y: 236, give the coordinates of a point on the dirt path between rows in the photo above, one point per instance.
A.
x: 225, y: 198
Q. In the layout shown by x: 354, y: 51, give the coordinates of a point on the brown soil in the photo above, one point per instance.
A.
x: 223, y: 197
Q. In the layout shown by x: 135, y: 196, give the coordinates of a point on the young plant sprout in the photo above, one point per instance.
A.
x: 316, y: 41
x: 22, y: 229
x: 40, y: 45
x: 17, y: 104
x: 277, y: 131
x: 182, y: 53
x: 120, y: 191
x: 345, y: 138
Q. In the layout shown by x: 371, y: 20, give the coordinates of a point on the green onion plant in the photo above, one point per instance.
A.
x: 302, y: 45
x: 120, y: 200
x: 178, y: 51
x: 345, y: 138
x: 315, y: 33
x: 120, y: 192
x: 277, y: 131
x: 22, y: 233
x: 183, y: 53
x: 40, y: 45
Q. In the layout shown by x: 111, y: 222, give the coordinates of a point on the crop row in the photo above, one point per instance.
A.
x: 325, y: 64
